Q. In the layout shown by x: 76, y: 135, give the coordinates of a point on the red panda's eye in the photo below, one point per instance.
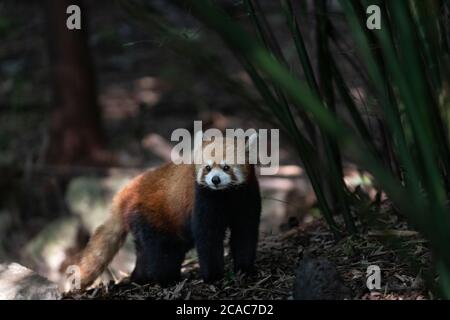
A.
x: 208, y: 168
x: 226, y: 168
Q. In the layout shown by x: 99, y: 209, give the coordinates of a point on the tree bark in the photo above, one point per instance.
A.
x: 75, y: 126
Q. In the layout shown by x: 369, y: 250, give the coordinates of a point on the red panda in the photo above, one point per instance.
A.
x: 177, y: 207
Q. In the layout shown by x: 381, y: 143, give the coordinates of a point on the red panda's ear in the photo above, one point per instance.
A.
x: 198, y: 141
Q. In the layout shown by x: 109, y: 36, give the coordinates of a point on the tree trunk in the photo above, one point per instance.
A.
x: 75, y: 128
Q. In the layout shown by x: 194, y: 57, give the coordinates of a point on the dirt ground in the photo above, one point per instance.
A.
x: 402, y: 278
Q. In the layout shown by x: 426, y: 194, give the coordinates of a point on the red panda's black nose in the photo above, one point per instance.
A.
x: 215, y: 180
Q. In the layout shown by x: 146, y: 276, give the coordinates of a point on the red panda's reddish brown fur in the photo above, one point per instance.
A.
x: 164, y: 196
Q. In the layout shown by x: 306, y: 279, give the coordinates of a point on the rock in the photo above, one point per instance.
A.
x: 318, y: 279
x: 20, y: 283
x: 90, y: 197
x: 47, y: 249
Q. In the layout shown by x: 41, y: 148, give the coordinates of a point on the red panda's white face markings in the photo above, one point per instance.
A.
x: 218, y: 176
x: 214, y: 171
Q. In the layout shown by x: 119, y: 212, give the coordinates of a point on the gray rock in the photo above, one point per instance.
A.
x: 20, y: 283
x: 90, y: 197
x: 318, y: 279
x: 47, y: 250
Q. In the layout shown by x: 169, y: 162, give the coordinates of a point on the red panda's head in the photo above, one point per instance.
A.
x: 219, y: 162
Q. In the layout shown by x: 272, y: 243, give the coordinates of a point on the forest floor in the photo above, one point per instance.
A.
x: 400, y: 253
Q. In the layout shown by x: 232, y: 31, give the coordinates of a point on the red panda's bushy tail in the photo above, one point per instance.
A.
x: 101, y: 249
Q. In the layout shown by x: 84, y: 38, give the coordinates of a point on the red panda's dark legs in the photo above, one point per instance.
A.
x: 210, y: 250
x: 214, y: 211
x: 208, y: 229
x: 244, y: 225
x: 159, y: 255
